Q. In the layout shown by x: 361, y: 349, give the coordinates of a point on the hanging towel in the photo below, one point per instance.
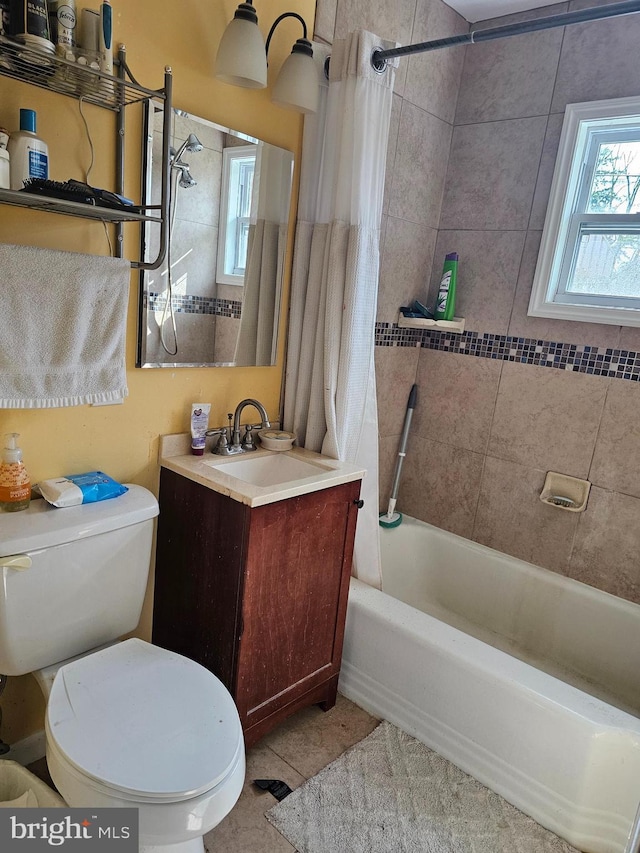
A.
x: 62, y: 328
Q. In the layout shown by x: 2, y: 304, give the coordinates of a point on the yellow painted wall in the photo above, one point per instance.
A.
x: 122, y: 440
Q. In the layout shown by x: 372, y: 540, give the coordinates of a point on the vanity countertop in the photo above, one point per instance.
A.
x: 174, y: 454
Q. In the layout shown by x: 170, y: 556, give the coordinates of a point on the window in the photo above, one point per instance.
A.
x: 238, y: 167
x: 589, y: 262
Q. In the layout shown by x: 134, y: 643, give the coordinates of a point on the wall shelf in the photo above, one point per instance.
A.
x: 456, y: 326
x: 19, y: 198
x: 52, y: 72
x: 80, y: 82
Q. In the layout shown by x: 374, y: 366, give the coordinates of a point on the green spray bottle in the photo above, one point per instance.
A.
x: 446, y: 301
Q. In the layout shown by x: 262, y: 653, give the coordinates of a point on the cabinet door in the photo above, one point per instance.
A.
x: 295, y: 591
x: 198, y: 580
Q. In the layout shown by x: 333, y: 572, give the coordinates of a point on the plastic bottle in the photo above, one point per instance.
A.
x: 29, y: 154
x: 15, y: 486
x: 62, y: 24
x: 446, y: 301
x: 5, y: 162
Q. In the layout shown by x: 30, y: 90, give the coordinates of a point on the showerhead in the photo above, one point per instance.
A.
x: 186, y: 179
x: 191, y: 143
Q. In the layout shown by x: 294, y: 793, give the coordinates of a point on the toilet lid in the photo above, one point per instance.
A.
x: 144, y: 720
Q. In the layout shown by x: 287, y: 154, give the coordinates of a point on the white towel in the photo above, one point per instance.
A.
x: 62, y: 328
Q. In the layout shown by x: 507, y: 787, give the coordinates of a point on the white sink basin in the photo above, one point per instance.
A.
x: 272, y: 470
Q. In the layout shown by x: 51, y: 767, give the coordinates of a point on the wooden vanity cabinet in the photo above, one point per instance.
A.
x: 257, y: 595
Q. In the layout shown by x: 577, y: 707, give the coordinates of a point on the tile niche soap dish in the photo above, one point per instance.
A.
x: 565, y: 492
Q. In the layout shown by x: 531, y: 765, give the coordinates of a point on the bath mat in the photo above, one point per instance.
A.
x: 392, y: 794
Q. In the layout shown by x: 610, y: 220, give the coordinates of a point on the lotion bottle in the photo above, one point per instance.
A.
x: 29, y: 155
x: 15, y: 486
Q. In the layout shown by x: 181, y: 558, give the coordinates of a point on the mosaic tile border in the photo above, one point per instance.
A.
x: 198, y: 305
x: 616, y: 363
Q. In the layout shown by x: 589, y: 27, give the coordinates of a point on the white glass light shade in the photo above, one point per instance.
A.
x: 297, y: 85
x: 241, y: 59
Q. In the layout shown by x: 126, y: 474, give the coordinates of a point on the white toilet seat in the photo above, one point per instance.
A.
x: 143, y: 724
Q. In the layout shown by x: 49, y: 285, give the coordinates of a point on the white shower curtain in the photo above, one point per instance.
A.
x: 330, y: 394
x: 266, y: 244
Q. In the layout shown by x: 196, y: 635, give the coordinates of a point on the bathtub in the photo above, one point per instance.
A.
x: 527, y: 680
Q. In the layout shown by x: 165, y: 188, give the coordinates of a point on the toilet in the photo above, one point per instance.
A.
x: 128, y: 724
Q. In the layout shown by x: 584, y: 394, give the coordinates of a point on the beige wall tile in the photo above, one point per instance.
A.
x: 201, y: 203
x: 395, y: 374
x: 433, y: 79
x: 325, y: 20
x: 607, y: 544
x: 227, y: 329
x: 547, y: 418
x: 456, y: 399
x: 420, y: 166
x: 492, y: 174
x: 598, y: 60
x: 194, y: 250
x: 616, y: 460
x: 630, y: 338
x: 509, y: 78
x: 388, y: 447
x: 392, y: 146
x: 541, y: 328
x: 405, y: 266
x: 440, y: 485
x: 545, y: 171
x: 511, y: 517
x: 487, y: 275
x: 196, y: 334
x: 391, y: 21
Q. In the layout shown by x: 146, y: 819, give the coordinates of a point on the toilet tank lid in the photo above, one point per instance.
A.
x: 43, y: 525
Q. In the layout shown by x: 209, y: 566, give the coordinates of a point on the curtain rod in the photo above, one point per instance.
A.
x: 595, y: 13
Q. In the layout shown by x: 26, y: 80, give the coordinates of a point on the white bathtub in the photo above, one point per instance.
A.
x: 527, y: 680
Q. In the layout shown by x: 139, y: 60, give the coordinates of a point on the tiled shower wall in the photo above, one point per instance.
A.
x: 472, y: 148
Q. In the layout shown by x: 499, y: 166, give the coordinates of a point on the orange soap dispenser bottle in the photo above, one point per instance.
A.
x: 15, y: 486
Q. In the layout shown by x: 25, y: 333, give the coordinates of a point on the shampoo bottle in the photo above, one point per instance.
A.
x: 29, y: 155
x: 15, y: 487
x: 446, y: 301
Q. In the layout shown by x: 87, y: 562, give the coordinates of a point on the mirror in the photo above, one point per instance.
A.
x: 216, y: 299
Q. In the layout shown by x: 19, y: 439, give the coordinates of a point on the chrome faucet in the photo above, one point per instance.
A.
x: 247, y: 441
x: 230, y: 441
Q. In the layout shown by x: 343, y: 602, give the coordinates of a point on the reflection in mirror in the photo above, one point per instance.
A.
x: 216, y: 299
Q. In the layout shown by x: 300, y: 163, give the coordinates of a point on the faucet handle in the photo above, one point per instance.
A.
x: 222, y: 440
x: 247, y: 439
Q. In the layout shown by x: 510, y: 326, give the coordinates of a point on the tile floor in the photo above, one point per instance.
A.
x: 293, y: 752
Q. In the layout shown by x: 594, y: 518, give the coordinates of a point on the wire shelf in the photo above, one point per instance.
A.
x: 19, y: 198
x: 50, y: 71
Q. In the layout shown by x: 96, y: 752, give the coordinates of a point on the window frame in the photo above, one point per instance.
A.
x: 565, y: 224
x: 229, y: 223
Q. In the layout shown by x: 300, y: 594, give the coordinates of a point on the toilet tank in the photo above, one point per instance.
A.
x: 86, y: 582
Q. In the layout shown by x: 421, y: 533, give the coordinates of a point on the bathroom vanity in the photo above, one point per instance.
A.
x: 252, y: 577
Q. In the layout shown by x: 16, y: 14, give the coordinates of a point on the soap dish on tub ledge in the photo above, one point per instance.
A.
x: 276, y: 439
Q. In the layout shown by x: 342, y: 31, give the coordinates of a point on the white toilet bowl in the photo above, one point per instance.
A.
x: 136, y: 726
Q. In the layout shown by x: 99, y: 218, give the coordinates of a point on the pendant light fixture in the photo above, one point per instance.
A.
x: 242, y: 61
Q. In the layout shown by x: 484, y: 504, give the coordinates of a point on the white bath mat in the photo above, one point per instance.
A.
x: 391, y: 794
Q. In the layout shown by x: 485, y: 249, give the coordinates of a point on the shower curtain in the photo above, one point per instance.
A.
x: 267, y: 240
x: 330, y: 394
